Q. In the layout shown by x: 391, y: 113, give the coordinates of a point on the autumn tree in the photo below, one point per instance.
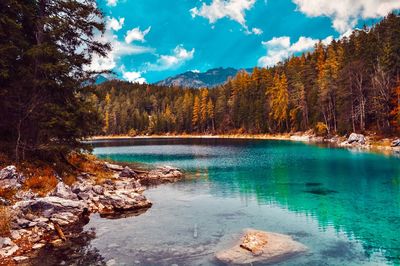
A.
x: 196, y: 112
x: 279, y: 100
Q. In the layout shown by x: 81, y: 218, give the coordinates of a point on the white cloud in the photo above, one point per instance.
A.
x: 133, y: 76
x: 345, y: 13
x: 114, y: 24
x: 257, y: 31
x: 280, y: 48
x: 195, y: 71
x: 118, y: 49
x: 178, y: 57
x: 218, y: 9
x: 112, y: 2
x: 136, y: 35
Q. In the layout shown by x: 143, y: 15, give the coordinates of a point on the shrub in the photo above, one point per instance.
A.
x: 42, y: 180
x: 321, y: 129
x: 132, y: 133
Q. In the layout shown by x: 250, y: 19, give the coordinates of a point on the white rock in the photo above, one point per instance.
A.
x: 38, y: 246
x: 20, y: 258
x: 272, y: 248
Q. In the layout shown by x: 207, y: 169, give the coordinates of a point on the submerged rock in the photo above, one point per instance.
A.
x: 161, y: 175
x: 259, y: 246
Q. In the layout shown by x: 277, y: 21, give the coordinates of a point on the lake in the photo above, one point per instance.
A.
x: 344, y: 205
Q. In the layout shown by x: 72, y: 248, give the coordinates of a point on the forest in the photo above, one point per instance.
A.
x: 49, y: 100
x: 350, y: 85
x: 44, y: 47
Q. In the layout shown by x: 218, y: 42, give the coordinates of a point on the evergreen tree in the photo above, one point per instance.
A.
x: 196, y: 112
x: 44, y: 46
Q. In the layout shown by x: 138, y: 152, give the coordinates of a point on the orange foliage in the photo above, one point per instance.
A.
x: 89, y: 164
x: 4, y: 221
x: 41, y: 180
x: 395, y: 113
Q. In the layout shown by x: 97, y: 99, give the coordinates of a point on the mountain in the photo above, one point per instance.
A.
x: 210, y: 78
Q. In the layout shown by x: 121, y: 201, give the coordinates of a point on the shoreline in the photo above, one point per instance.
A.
x: 373, y: 143
x: 57, y: 218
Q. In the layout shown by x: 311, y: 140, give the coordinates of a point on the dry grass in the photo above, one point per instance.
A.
x: 41, y: 177
x: 91, y: 165
x: 7, y: 193
x: 41, y: 180
x: 4, y: 221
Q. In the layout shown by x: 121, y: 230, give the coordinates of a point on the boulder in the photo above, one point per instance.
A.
x: 64, y: 218
x: 122, y: 200
x: 9, y: 184
x: 25, y: 195
x: 10, y: 178
x: 84, y: 186
x: 356, y: 138
x: 257, y: 246
x: 114, y: 167
x: 7, y: 247
x: 396, y: 143
x: 128, y: 172
x: 64, y: 191
x: 49, y: 205
x: 4, y: 202
x: 9, y: 172
x: 98, y: 189
x: 160, y: 175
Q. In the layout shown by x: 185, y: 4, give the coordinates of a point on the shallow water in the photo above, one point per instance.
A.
x: 343, y: 205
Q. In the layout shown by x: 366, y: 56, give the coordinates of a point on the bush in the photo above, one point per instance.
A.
x: 132, y: 133
x: 42, y: 180
x: 321, y: 129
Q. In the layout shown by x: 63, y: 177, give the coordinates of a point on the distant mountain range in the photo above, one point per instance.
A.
x: 210, y: 78
x: 191, y: 79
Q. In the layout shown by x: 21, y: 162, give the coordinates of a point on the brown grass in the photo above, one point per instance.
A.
x: 41, y: 176
x: 90, y: 164
x: 7, y: 193
x: 41, y: 180
x: 4, y: 221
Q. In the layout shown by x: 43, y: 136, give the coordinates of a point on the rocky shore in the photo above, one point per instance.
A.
x: 36, y: 222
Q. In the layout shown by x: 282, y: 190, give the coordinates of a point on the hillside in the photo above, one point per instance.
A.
x: 210, y: 78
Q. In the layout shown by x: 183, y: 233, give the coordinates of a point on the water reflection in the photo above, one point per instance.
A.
x: 353, y: 193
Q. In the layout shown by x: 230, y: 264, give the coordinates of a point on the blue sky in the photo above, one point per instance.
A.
x: 154, y: 39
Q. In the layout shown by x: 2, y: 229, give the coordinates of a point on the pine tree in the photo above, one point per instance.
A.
x: 210, y: 113
x: 45, y: 110
x: 203, y: 108
x: 279, y: 100
x: 196, y: 112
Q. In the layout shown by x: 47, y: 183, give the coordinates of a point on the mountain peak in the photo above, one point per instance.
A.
x: 194, y: 79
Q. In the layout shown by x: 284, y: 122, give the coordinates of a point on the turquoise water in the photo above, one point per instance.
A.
x: 344, y: 205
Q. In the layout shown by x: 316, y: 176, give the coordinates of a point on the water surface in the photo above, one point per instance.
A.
x: 344, y: 205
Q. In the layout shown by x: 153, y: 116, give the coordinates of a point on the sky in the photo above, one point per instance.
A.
x: 154, y: 39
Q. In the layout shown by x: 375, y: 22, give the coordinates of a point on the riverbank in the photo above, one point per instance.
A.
x: 370, y: 142
x: 31, y: 222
